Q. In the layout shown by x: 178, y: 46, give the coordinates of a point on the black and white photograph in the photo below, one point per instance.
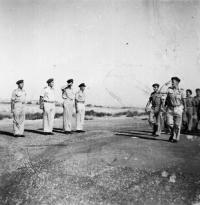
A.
x: 99, y: 102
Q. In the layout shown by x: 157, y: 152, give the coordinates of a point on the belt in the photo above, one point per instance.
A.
x: 68, y: 99
x: 80, y: 102
x: 48, y: 101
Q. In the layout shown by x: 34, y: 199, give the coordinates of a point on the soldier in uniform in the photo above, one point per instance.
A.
x: 197, y: 109
x: 189, y: 110
x: 174, y: 105
x: 68, y: 106
x: 18, y: 101
x: 155, y: 115
x: 47, y: 103
x: 80, y: 108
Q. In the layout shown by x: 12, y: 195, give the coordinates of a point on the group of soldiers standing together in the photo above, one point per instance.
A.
x: 71, y: 103
x: 171, y: 110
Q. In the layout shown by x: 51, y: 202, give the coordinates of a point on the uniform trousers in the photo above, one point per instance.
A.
x: 174, y: 120
x: 188, y: 118
x: 48, y: 116
x: 80, y: 116
x: 68, y: 110
x: 18, y: 118
x: 155, y: 120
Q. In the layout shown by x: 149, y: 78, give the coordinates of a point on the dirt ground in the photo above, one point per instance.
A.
x: 116, y: 161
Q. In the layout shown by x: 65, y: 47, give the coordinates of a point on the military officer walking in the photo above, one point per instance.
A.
x: 189, y: 111
x: 175, y: 105
x: 47, y: 103
x: 18, y: 101
x: 68, y: 106
x: 197, y: 109
x: 80, y: 108
x: 155, y: 112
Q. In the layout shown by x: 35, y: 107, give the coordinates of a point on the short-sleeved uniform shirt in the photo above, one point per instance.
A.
x: 80, y: 96
x: 48, y: 94
x: 19, y: 95
x: 68, y: 94
x: 189, y: 101
x: 155, y: 99
x: 175, y: 97
x: 197, y: 104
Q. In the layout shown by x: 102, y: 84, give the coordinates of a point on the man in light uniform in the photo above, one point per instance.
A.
x: 68, y: 106
x: 18, y: 101
x: 155, y: 112
x: 47, y: 103
x: 174, y: 105
x: 189, y: 111
x: 197, y: 109
x: 80, y: 108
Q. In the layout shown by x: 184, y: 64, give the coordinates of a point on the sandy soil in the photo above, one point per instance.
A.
x: 116, y: 161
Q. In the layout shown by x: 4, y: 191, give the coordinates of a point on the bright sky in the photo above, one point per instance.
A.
x: 117, y: 47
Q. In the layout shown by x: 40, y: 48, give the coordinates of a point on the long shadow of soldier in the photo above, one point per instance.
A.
x: 140, y: 134
x: 6, y: 133
x: 193, y: 133
x: 35, y: 131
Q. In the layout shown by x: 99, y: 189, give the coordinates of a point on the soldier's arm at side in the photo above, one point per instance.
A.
x: 148, y: 104
x: 12, y: 103
x: 41, y: 102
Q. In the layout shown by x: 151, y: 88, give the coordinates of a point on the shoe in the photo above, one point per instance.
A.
x: 67, y: 132
x: 80, y: 131
x: 51, y: 133
x: 47, y: 133
x: 16, y: 136
x: 21, y: 135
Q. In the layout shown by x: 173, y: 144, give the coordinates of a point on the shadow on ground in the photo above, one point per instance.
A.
x: 6, y: 133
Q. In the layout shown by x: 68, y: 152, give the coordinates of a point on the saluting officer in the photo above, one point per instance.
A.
x: 197, y: 109
x: 47, y: 103
x: 68, y: 106
x: 18, y: 101
x: 189, y: 111
x: 155, y: 112
x: 175, y: 105
x: 80, y: 108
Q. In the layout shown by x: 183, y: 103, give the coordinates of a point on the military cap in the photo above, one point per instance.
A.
x: 82, y: 85
x: 155, y: 85
x: 70, y: 81
x: 19, y: 81
x: 188, y: 90
x: 176, y: 79
x: 198, y: 89
x: 50, y: 80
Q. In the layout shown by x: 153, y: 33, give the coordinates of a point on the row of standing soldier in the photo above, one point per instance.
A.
x: 170, y: 109
x: 47, y: 102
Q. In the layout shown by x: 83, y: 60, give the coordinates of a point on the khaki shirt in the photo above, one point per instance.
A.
x: 19, y: 95
x: 68, y: 94
x: 155, y: 99
x: 197, y: 104
x: 48, y: 94
x: 80, y: 96
x: 175, y: 97
x: 189, y: 102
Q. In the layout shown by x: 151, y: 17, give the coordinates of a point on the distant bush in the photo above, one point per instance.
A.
x: 118, y: 114
x: 97, y: 114
x: 89, y: 105
x: 3, y: 116
x: 34, y: 116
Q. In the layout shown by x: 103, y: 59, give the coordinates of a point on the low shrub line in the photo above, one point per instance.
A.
x: 88, y: 113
